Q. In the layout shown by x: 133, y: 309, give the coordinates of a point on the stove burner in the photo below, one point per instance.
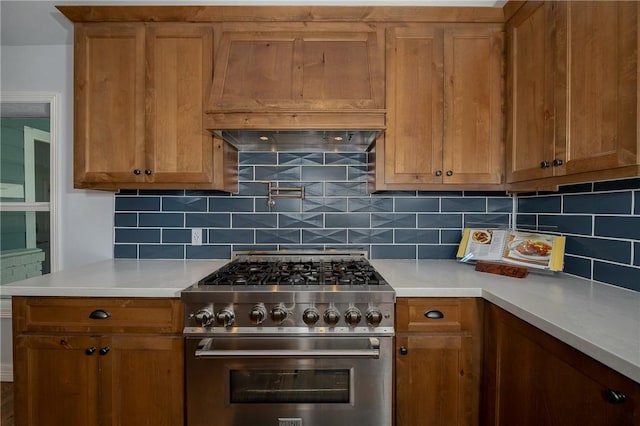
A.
x: 332, y: 272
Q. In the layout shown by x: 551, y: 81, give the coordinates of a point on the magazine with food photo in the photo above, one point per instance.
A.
x: 526, y: 248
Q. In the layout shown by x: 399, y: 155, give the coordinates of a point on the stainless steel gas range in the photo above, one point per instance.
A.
x: 290, y: 339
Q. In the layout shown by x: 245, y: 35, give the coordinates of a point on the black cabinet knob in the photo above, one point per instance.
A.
x: 544, y: 164
x: 403, y: 350
x: 557, y: 162
x: 434, y: 314
x: 136, y: 171
x: 105, y: 350
x: 147, y: 172
x: 99, y: 314
x: 90, y: 351
x: 614, y: 396
x: 449, y: 172
x: 438, y: 172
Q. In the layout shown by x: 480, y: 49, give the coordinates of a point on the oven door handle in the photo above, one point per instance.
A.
x: 204, y: 351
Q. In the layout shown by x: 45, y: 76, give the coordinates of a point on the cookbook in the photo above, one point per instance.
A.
x: 524, y: 248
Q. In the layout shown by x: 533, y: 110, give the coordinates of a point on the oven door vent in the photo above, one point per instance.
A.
x: 289, y: 421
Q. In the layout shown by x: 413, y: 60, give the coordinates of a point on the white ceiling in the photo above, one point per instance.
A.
x: 35, y: 22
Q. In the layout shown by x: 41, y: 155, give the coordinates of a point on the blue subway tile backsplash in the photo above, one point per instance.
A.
x: 184, y: 204
x: 600, y: 220
x: 624, y: 276
x: 337, y: 212
x: 599, y: 203
x: 614, y: 250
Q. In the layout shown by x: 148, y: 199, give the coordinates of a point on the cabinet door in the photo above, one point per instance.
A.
x: 56, y: 380
x: 109, y: 103
x: 413, y: 141
x: 142, y: 381
x: 536, y: 379
x: 473, y: 147
x: 602, y: 85
x: 435, y: 384
x: 530, y: 93
x: 179, y: 148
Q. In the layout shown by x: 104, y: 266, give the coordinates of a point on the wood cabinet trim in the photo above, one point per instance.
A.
x: 282, y: 13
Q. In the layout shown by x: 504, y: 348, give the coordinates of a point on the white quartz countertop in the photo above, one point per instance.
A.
x: 118, y: 278
x: 600, y: 320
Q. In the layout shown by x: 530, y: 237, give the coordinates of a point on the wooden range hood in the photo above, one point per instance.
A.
x: 307, y: 83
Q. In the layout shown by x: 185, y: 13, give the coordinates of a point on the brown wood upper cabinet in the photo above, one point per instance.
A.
x: 572, y: 93
x: 140, y: 91
x: 278, y: 68
x: 444, y: 108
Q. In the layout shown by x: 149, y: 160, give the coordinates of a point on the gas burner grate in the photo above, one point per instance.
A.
x: 334, y: 272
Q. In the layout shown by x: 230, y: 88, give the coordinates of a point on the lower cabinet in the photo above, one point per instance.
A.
x: 438, y: 361
x: 531, y: 378
x: 114, y: 371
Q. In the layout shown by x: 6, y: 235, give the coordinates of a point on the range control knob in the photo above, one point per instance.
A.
x: 278, y: 314
x: 352, y: 316
x: 258, y: 314
x: 331, y: 317
x: 203, y: 318
x: 225, y: 317
x: 373, y: 317
x: 310, y: 316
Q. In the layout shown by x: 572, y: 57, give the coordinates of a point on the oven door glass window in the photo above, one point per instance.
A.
x: 294, y: 386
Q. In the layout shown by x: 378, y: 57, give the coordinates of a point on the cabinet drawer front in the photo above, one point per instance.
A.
x: 436, y: 314
x: 113, y: 315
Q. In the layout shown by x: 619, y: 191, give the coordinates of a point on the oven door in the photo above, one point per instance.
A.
x: 290, y: 381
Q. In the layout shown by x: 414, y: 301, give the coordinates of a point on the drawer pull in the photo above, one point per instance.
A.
x: 434, y: 314
x: 614, y: 396
x: 104, y: 351
x: 403, y: 350
x: 90, y: 351
x: 99, y: 314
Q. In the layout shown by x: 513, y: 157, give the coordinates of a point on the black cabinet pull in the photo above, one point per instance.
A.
x: 614, y: 396
x: 403, y: 350
x: 147, y: 172
x: 105, y: 350
x: 557, y: 162
x: 90, y: 351
x: 545, y: 164
x: 438, y: 172
x: 434, y: 314
x: 136, y: 171
x: 449, y: 172
x: 99, y: 314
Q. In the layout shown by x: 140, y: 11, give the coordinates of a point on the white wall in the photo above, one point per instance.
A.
x: 86, y: 217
